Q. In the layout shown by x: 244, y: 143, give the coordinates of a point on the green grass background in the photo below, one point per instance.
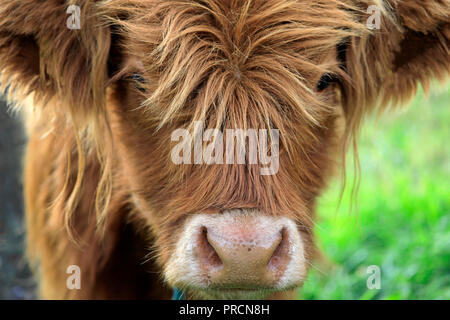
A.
x: 402, y: 220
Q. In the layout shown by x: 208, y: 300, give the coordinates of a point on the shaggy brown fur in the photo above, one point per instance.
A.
x: 101, y: 190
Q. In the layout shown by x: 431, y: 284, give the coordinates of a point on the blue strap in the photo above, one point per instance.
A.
x: 177, y: 294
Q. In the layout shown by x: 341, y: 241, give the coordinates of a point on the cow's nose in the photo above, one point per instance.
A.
x: 240, y: 257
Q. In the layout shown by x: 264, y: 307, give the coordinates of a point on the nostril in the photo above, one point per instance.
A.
x: 280, y: 257
x: 208, y: 256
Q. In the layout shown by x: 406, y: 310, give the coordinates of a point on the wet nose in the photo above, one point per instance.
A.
x: 239, y: 256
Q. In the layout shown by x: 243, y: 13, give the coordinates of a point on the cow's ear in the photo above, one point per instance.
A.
x: 406, y: 45
x: 54, y: 49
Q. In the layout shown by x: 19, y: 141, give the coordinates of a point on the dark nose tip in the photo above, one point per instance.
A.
x: 243, y: 258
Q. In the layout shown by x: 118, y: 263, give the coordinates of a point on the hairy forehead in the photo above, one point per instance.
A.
x: 211, y: 54
x: 235, y: 25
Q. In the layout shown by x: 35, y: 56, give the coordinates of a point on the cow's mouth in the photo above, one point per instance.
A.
x: 243, y: 293
x: 238, y: 254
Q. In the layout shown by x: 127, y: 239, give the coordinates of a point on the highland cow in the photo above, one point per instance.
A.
x: 102, y: 86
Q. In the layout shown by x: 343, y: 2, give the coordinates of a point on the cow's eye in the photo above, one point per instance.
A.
x: 325, y: 81
x: 138, y: 81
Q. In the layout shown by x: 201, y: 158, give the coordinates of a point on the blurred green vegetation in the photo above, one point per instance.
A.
x: 402, y: 219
